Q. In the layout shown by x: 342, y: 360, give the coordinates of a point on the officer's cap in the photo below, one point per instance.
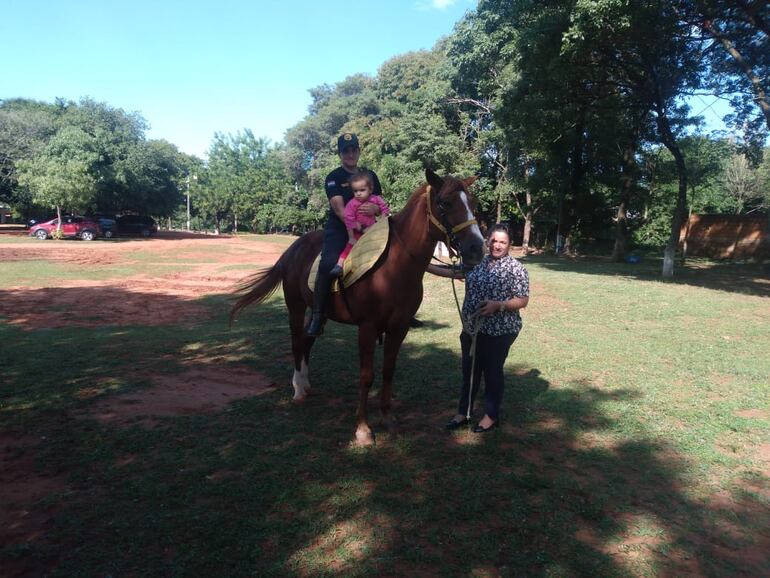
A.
x: 347, y: 140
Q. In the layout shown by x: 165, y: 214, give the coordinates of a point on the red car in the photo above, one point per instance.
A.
x: 78, y: 227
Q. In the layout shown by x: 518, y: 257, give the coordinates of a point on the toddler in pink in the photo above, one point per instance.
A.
x: 355, y: 222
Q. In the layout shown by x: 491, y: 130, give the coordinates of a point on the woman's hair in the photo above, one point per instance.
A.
x: 502, y: 228
x: 362, y: 176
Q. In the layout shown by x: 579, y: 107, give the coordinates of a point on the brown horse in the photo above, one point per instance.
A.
x: 384, y: 300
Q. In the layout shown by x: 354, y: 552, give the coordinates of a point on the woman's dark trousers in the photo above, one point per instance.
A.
x: 491, y: 352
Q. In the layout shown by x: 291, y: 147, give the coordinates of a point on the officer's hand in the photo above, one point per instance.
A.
x: 369, y: 209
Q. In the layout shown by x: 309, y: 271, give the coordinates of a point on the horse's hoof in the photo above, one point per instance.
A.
x: 364, y: 438
x: 299, y: 397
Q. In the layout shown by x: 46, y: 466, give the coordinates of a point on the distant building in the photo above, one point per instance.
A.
x: 727, y: 236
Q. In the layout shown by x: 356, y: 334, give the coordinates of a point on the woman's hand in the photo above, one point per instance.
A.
x: 446, y: 271
x: 491, y: 307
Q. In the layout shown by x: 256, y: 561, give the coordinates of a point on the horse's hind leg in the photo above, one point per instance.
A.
x: 393, y: 341
x: 300, y: 347
x: 367, y: 337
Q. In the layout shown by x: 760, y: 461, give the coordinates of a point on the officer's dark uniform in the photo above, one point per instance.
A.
x: 335, y: 233
x: 335, y: 238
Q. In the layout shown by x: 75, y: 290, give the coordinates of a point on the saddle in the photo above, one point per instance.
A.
x: 364, y: 255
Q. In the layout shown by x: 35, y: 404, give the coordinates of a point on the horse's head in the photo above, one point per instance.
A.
x: 449, y: 210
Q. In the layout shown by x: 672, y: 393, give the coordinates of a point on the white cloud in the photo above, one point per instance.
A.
x: 434, y: 4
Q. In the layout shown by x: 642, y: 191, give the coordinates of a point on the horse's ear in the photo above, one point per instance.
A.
x: 469, y: 181
x: 434, y: 180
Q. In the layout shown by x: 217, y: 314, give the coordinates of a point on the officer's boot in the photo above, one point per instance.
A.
x: 320, y: 297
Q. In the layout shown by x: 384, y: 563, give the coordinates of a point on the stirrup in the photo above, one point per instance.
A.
x: 316, y: 326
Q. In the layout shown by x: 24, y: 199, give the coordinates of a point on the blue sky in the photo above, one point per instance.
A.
x: 195, y: 67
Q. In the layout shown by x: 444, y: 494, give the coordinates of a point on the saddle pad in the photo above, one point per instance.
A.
x: 364, y: 255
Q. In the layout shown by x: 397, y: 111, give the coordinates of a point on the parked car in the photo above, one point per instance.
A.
x: 107, y: 224
x: 72, y: 226
x: 136, y: 225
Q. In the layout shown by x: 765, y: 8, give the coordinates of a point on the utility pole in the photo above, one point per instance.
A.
x: 195, y: 178
x: 188, y: 202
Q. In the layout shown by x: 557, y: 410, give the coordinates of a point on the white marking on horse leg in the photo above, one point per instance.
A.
x: 305, y: 371
x: 364, y: 436
x: 301, y: 382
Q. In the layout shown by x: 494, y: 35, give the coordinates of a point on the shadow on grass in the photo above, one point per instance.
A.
x: 268, y: 487
x: 750, y: 279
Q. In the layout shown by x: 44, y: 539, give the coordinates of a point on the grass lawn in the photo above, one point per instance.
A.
x: 635, y: 440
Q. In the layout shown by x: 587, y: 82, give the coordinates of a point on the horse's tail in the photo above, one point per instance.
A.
x: 261, y: 285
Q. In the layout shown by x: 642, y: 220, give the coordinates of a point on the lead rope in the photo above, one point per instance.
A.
x: 471, y: 327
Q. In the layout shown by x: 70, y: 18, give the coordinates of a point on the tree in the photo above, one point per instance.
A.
x: 645, y: 52
x: 62, y: 176
x: 26, y: 126
x: 147, y: 179
x: 742, y: 183
x: 739, y: 57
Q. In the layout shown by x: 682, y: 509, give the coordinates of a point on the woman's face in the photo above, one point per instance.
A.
x: 499, y: 243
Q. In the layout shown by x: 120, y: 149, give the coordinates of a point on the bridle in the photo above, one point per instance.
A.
x: 444, y: 225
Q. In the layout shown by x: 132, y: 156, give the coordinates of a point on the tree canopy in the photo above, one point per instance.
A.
x: 573, y: 113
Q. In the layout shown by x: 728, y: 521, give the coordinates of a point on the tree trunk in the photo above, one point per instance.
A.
x: 621, y: 229
x: 759, y: 91
x: 576, y: 173
x: 58, y: 234
x: 235, y: 223
x: 527, y: 232
x: 626, y: 187
x: 669, y: 253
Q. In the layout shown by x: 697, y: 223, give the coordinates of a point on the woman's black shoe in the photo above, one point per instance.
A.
x: 478, y: 429
x: 454, y: 424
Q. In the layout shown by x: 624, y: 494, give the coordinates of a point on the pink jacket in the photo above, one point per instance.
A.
x: 352, y: 216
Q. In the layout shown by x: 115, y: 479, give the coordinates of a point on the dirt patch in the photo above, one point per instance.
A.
x: 752, y: 414
x: 197, y: 390
x: 95, y: 305
x: 139, y: 299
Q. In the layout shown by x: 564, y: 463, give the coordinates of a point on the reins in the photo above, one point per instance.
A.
x: 471, y: 326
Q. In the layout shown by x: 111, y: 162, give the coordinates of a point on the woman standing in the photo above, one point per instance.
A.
x: 496, y: 289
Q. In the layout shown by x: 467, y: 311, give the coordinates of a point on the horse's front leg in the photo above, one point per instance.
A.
x: 367, y: 336
x: 393, y: 340
x: 300, y: 348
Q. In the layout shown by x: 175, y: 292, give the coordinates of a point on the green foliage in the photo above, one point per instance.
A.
x: 560, y: 107
x: 247, y: 181
x: 85, y: 156
x: 65, y: 174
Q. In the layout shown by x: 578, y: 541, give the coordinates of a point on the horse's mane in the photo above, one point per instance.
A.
x: 415, y: 197
x: 419, y: 194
